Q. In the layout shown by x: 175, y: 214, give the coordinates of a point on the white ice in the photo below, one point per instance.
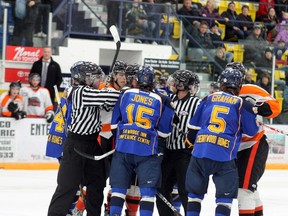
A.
x: 28, y: 193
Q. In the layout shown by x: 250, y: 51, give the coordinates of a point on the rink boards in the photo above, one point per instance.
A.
x: 23, y: 145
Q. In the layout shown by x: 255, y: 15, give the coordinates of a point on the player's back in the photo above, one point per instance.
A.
x: 220, y: 118
x: 140, y: 113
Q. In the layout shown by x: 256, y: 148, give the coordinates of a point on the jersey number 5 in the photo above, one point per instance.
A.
x: 140, y: 120
x: 218, y: 124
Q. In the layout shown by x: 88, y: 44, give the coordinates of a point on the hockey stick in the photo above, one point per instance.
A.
x: 273, y: 129
x: 176, y: 213
x: 116, y: 38
x: 96, y: 157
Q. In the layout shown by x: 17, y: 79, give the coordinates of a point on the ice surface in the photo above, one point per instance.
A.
x: 28, y: 193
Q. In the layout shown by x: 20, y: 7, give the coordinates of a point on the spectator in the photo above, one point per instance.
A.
x: 281, y: 6
x: 283, y: 33
x: 280, y: 49
x: 246, y: 24
x: 201, y: 42
x: 219, y: 63
x: 248, y: 78
x: 138, y: 21
x: 37, y: 103
x: 264, y: 63
x: 265, y: 82
x: 11, y: 103
x: 49, y: 70
x: 218, y: 42
x: 113, y: 12
x: 24, y: 26
x: 253, y: 52
x: 190, y: 15
x: 232, y: 30
x: 41, y: 26
x: 270, y: 20
x: 263, y: 9
x: 211, y: 12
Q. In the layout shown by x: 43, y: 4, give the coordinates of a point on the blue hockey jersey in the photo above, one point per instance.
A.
x: 140, y: 117
x: 221, y: 119
x: 58, y: 127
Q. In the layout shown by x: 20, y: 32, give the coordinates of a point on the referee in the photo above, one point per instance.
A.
x: 82, y: 135
x: 177, y: 155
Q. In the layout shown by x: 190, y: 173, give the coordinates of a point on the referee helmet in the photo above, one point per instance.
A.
x: 84, y: 72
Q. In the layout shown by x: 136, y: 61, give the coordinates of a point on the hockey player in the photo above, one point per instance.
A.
x: 37, y: 102
x: 253, y: 151
x: 11, y: 103
x: 143, y: 121
x: 177, y: 154
x: 216, y: 130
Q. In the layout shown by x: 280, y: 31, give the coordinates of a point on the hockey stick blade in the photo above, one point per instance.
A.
x: 92, y: 157
x: 116, y: 39
x: 176, y: 213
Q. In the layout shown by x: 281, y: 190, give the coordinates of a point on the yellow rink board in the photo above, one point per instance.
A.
x: 55, y: 166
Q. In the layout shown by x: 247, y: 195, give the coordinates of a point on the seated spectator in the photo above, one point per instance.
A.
x: 138, y: 22
x: 282, y: 32
x: 218, y: 42
x: 246, y: 24
x: 155, y: 14
x: 210, y: 11
x: 265, y: 82
x: 11, y: 103
x: 254, y: 45
x: 191, y: 14
x: 232, y: 30
x: 263, y: 8
x: 280, y: 49
x: 201, y: 42
x: 219, y: 63
x: 270, y: 21
x: 264, y: 63
x: 37, y: 102
x: 248, y: 78
x: 281, y: 6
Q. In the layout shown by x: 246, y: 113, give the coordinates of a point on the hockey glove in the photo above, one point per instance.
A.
x: 49, y: 116
x: 19, y: 115
x: 262, y: 108
x: 12, y: 107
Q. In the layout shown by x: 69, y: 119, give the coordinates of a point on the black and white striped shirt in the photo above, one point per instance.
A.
x: 86, y: 105
x: 185, y: 109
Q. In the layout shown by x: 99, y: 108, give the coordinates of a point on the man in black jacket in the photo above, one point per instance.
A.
x: 49, y: 70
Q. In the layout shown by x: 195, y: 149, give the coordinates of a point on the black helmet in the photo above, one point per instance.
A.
x: 130, y: 72
x: 188, y: 78
x: 119, y: 66
x: 82, y: 69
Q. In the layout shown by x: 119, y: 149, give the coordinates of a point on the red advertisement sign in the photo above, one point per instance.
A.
x: 14, y: 74
x: 23, y: 54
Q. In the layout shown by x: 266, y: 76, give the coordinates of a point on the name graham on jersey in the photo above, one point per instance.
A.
x: 225, y: 99
x: 208, y: 138
x: 143, y: 99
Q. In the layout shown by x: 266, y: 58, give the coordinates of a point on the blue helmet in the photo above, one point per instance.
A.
x: 145, y: 76
x: 231, y: 78
x: 238, y: 66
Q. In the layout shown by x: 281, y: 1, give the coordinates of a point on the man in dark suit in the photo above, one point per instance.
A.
x: 49, y: 70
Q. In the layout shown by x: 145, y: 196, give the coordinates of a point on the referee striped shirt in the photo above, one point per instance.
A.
x: 86, y: 105
x: 185, y: 109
